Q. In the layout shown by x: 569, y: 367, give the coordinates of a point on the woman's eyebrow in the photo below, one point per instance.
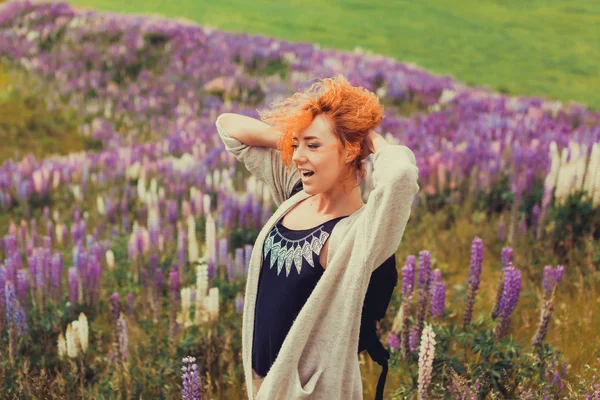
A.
x: 307, y: 138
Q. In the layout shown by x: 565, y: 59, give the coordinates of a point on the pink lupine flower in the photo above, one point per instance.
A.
x: 426, y: 355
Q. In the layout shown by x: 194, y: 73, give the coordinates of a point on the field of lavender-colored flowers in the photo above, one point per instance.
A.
x: 122, y: 258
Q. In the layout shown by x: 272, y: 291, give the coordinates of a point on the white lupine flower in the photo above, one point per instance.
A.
x: 55, y: 179
x: 208, y: 181
x: 70, y: 339
x: 211, y: 238
x: 216, y: 177
x: 186, y: 210
x: 446, y: 96
x: 100, y: 205
x: 75, y: 332
x: 206, y: 203
x: 153, y: 186
x: 193, y: 251
x: 76, y: 189
x: 579, y: 164
x: 62, y: 345
x: 426, y: 355
x: 201, y: 289
x: 110, y: 259
x: 37, y: 180
x: 141, y: 186
x: 58, y: 230
x: 83, y: 332
x: 554, y: 166
x: 161, y: 243
x: 592, y: 178
x: 153, y: 217
x: 133, y: 171
x: 145, y: 240
x: 211, y: 302
x: 186, y: 302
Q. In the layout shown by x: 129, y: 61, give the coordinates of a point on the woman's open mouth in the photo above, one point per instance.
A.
x: 307, y: 175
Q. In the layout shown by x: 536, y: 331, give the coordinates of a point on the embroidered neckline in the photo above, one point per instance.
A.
x: 285, y: 255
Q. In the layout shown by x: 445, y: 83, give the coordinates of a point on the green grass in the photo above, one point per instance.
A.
x: 29, y: 124
x: 538, y: 48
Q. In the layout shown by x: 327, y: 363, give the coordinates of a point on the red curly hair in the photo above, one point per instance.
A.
x: 352, y: 112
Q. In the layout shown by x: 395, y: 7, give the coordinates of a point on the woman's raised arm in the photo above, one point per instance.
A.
x: 250, y: 131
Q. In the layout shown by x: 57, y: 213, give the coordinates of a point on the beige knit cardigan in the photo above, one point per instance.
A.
x: 318, y: 358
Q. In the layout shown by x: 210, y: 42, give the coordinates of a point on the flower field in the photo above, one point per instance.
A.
x: 126, y: 228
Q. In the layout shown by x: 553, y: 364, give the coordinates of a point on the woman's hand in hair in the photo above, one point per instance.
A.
x: 367, y: 145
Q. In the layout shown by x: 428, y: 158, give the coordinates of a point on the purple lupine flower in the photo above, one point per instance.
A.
x: 56, y: 271
x: 21, y: 321
x: 174, y: 280
x: 230, y: 266
x: 408, y: 276
x: 47, y: 243
x: 159, y: 281
x: 144, y: 278
x: 172, y: 212
x: 424, y: 283
x: 552, y: 277
x: 558, y: 274
x: 506, y: 256
x: 501, y: 231
x: 522, y: 226
x: 393, y: 341
x: 122, y: 338
x: 239, y: 303
x: 438, y: 294
x: 2, y: 298
x: 153, y: 261
x: 10, y: 302
x: 535, y: 215
x: 405, y: 330
x: 414, y: 339
x: 548, y: 282
x: 474, y: 279
x: 22, y: 286
x: 174, y: 289
x: 9, y: 269
x: 212, y: 273
x: 424, y: 269
x: 510, y: 297
x: 129, y: 304
x: 115, y: 306
x: 191, y: 380
x: 73, y: 286
x: 50, y: 230
x: 542, y: 329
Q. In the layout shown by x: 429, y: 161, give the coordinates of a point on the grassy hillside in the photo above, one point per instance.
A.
x: 545, y: 48
x: 31, y: 124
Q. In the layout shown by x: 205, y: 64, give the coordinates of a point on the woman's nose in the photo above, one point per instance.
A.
x: 297, y: 156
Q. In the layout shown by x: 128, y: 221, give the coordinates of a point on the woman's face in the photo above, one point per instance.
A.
x: 316, y: 149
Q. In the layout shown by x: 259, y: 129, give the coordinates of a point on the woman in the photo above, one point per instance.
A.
x: 311, y: 263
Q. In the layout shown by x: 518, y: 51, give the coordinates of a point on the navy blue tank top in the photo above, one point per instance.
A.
x: 290, y: 271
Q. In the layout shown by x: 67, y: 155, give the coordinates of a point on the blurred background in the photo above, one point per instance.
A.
x: 126, y: 228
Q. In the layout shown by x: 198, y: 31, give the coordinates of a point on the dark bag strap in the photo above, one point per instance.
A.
x: 381, y: 356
